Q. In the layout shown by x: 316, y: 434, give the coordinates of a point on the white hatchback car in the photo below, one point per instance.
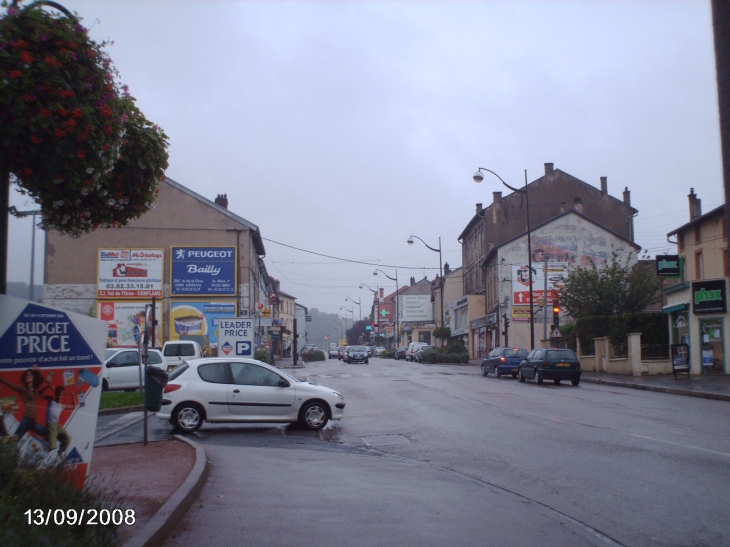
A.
x: 122, y: 370
x: 220, y: 390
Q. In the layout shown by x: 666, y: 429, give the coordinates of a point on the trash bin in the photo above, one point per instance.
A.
x: 154, y: 386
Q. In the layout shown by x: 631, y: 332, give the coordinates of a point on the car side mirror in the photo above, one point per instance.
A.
x: 283, y: 383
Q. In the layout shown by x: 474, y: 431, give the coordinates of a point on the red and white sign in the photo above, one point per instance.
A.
x: 130, y: 273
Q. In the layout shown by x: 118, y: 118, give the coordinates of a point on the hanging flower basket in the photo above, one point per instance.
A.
x: 68, y: 130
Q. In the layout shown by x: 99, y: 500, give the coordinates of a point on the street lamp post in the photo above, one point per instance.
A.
x: 21, y: 214
x: 397, y: 332
x: 345, y: 318
x: 479, y: 177
x: 441, y: 275
x: 376, y: 314
x: 358, y: 305
x: 351, y: 311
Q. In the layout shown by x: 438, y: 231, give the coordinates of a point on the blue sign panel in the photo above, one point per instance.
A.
x: 203, y: 271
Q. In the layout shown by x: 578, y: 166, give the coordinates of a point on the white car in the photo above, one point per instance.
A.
x: 223, y: 390
x: 377, y: 351
x: 123, y: 370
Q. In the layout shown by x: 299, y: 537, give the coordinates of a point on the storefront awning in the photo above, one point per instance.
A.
x: 675, y: 307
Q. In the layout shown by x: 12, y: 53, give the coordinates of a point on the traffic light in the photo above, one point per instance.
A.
x: 556, y: 314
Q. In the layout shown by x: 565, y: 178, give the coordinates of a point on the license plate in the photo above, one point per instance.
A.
x: 562, y: 364
x: 515, y: 370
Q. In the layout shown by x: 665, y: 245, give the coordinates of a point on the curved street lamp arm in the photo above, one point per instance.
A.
x: 385, y: 274
x: 522, y: 191
x: 368, y: 286
x: 427, y: 245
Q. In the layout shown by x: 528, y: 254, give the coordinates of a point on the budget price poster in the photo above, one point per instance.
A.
x: 50, y: 367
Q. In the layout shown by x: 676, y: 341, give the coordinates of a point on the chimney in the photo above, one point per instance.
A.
x: 695, y: 205
x: 496, y: 197
x: 548, y: 168
x: 479, y: 208
x: 413, y: 281
x: 578, y: 204
x: 562, y: 206
x: 446, y: 269
x: 381, y: 295
x: 222, y: 200
x: 627, y: 196
x: 604, y: 185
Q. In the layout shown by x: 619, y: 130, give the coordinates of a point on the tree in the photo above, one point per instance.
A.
x: 358, y: 334
x: 612, y: 290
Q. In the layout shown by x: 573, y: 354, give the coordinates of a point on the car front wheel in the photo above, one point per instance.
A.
x: 313, y: 415
x: 521, y: 376
x: 575, y: 381
x: 484, y: 371
x: 538, y: 378
x: 188, y: 417
x: 497, y: 372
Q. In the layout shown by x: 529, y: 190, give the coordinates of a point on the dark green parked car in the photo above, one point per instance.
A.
x: 550, y: 364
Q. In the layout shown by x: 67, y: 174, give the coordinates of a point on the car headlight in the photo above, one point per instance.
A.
x: 339, y: 395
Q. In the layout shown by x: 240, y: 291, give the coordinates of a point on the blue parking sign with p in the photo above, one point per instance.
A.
x: 244, y: 348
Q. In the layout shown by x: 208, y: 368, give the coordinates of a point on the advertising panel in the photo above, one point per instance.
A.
x: 50, y: 364
x: 709, y: 297
x: 199, y: 321
x: 203, y: 271
x: 126, y: 322
x: 130, y: 273
x: 415, y: 307
x: 235, y: 337
x: 557, y: 273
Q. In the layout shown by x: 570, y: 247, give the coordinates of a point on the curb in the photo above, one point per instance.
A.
x: 670, y: 390
x: 158, y: 529
x: 120, y: 410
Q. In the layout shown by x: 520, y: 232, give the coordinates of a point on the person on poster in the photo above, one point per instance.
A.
x: 30, y: 392
x: 54, y: 429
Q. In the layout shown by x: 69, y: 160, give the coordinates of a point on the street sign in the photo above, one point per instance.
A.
x: 235, y: 337
x: 556, y: 334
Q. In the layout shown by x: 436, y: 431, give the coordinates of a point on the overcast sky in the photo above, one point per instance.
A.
x: 342, y: 128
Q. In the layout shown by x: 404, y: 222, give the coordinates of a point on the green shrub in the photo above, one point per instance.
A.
x: 388, y: 354
x: 429, y: 356
x: 453, y: 358
x: 314, y: 355
x: 23, y: 487
x: 263, y: 354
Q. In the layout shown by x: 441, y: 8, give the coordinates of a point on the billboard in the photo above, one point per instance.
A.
x: 190, y: 320
x: 557, y: 273
x: 415, y: 307
x: 129, y: 273
x: 126, y: 322
x: 203, y: 271
x: 50, y: 364
x: 236, y: 337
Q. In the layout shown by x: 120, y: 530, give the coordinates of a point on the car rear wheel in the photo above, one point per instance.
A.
x: 538, y: 378
x: 556, y: 381
x: 497, y: 372
x: 188, y: 417
x: 313, y: 415
x: 575, y: 381
x: 520, y: 376
x: 484, y: 371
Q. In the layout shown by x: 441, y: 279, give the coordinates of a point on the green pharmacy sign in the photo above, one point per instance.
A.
x: 668, y: 266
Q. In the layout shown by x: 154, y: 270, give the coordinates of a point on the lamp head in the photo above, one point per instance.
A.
x: 410, y: 240
x: 361, y: 286
x: 478, y: 177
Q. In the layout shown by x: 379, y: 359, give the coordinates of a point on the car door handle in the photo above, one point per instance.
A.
x: 236, y: 391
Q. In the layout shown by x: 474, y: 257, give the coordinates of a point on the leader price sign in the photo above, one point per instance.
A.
x: 235, y: 337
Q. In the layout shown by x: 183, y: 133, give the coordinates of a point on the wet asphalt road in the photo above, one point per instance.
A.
x: 438, y: 455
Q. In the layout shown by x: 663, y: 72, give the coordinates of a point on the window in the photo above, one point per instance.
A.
x: 698, y: 234
x: 215, y: 373
x: 247, y: 374
x: 699, y: 266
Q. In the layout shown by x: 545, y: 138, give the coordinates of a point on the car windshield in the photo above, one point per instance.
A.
x: 558, y: 354
x: 177, y: 371
x: 358, y: 348
x: 515, y: 352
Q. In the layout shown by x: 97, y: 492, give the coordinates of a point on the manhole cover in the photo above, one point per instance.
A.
x: 380, y: 440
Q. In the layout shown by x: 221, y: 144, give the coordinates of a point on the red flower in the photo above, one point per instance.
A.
x: 60, y: 133
x: 108, y: 129
x: 63, y: 111
x: 72, y: 123
x: 106, y: 112
x: 51, y: 62
x: 81, y: 155
x: 28, y: 98
x: 77, y: 113
x: 46, y: 113
x: 106, y: 146
x: 15, y: 73
x: 21, y: 44
x: 26, y: 57
x: 36, y: 139
x: 28, y: 171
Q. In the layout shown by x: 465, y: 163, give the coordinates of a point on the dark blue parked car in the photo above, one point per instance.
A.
x: 503, y: 361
